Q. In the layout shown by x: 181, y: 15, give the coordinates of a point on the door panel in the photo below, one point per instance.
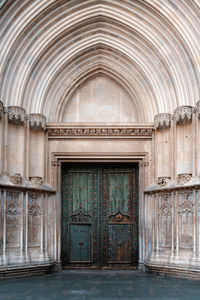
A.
x: 79, y: 216
x: 118, y: 216
x: 99, y: 216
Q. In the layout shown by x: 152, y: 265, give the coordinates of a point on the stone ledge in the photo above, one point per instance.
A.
x: 173, y: 271
x: 13, y: 271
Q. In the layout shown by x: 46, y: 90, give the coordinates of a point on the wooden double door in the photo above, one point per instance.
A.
x: 100, y: 215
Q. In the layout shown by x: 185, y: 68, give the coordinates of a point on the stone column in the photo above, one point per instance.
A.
x: 4, y: 254
x: 198, y: 139
x: 26, y: 229
x: 177, y: 226
x: 1, y: 136
x: 141, y: 214
x: 162, y: 134
x: 42, y: 228
x: 21, y: 254
x: 46, y: 227
x: 183, y: 118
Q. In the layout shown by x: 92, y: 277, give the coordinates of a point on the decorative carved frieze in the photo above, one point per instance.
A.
x: 100, y: 131
x: 36, y: 180
x: 37, y: 121
x: 184, y: 178
x: 183, y: 113
x: 1, y: 109
x: 198, y: 107
x: 162, y: 121
x: 34, y: 209
x: 162, y: 181
x: 16, y: 179
x: 16, y: 115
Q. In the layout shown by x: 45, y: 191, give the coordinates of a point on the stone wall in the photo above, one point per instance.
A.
x: 172, y: 203
x: 27, y: 201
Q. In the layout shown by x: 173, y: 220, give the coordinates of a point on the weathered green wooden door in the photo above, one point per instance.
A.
x: 99, y: 216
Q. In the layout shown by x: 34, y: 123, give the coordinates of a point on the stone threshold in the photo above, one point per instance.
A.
x: 26, y: 270
x: 173, y: 271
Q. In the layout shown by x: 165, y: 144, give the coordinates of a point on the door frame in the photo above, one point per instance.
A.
x: 57, y: 158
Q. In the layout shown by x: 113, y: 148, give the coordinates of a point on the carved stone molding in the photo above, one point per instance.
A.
x: 37, y: 121
x: 36, y: 180
x: 184, y: 178
x: 198, y: 107
x: 183, y: 114
x: 16, y: 115
x: 100, y: 131
x: 1, y: 109
x: 162, y: 121
x: 16, y: 179
x: 162, y: 181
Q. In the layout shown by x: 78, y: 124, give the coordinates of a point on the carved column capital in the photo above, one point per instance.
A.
x: 183, y: 114
x: 184, y: 178
x: 162, y: 121
x: 1, y: 109
x: 37, y: 121
x: 16, y: 115
x: 198, y: 108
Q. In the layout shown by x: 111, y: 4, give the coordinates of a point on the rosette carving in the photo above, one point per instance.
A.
x: 198, y: 108
x: 162, y: 121
x: 37, y: 121
x: 162, y: 181
x: 184, y: 178
x: 1, y: 109
x: 16, y: 179
x: 183, y: 113
x: 16, y: 115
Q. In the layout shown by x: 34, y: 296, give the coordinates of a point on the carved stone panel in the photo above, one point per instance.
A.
x: 165, y: 220
x: 34, y: 219
x: 186, y: 212
x: 12, y: 219
x: 16, y: 115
